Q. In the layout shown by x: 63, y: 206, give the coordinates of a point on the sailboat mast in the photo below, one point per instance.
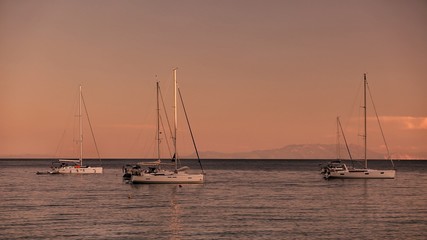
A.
x: 158, y: 123
x: 175, y: 118
x: 80, y: 126
x: 365, y: 82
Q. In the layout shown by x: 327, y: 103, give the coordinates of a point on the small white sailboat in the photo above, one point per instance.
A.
x: 157, y: 172
x: 74, y: 166
x: 337, y: 164
x: 337, y: 169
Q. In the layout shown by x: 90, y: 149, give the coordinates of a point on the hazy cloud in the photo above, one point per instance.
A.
x: 407, y: 122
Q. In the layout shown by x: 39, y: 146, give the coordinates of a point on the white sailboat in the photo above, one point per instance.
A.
x: 337, y: 164
x: 337, y: 169
x: 72, y: 166
x: 156, y: 171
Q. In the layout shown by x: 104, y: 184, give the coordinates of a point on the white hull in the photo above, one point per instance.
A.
x: 168, y: 178
x: 362, y: 174
x: 78, y: 170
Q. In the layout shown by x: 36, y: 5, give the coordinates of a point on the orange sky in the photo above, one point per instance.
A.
x: 254, y: 74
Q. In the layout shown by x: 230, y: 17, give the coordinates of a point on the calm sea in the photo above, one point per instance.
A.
x: 241, y: 199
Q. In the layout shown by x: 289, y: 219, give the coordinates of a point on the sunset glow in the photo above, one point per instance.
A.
x: 254, y: 75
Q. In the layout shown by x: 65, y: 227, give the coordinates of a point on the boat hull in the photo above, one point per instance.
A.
x: 79, y: 170
x: 362, y: 174
x: 168, y: 178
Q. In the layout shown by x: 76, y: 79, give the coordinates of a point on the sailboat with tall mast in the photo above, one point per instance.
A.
x: 157, y: 171
x: 75, y: 166
x: 341, y: 170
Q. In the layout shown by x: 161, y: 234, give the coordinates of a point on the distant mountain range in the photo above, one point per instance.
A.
x: 294, y: 151
x: 301, y: 151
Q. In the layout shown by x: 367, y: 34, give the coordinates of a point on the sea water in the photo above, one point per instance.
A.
x: 241, y: 199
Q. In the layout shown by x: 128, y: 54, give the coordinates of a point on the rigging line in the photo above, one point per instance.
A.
x: 379, y: 124
x: 191, y: 132
x: 133, y: 145
x: 68, y: 123
x: 91, y: 129
x: 345, y: 140
x: 60, y: 143
x: 166, y: 137
x: 164, y: 109
x: 354, y: 114
x: 149, y: 148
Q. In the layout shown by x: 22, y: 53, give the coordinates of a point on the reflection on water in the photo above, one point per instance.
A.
x: 281, y: 201
x: 172, y: 208
x: 175, y: 222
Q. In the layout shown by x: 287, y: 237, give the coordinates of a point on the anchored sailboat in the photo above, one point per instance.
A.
x: 157, y: 171
x: 337, y: 169
x: 73, y: 166
x: 337, y: 164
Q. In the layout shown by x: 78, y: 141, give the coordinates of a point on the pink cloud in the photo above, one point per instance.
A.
x: 407, y: 122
